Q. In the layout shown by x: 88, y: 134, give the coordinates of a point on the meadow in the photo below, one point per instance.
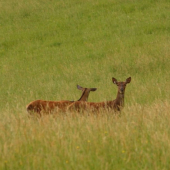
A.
x: 48, y: 47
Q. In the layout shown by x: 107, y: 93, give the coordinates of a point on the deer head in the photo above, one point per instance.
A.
x: 121, y: 85
x: 85, y: 92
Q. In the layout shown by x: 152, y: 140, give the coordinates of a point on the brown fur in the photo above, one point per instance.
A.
x: 115, y: 105
x: 43, y: 106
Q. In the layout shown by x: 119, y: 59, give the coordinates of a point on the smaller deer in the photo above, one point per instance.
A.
x: 115, y: 105
x: 43, y: 106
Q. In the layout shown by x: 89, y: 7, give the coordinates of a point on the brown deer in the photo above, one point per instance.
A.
x: 43, y: 106
x: 115, y: 105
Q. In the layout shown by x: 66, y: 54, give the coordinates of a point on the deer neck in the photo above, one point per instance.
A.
x: 84, y: 96
x: 119, y: 99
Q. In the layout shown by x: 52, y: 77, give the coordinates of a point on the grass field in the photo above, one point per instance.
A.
x: 48, y: 47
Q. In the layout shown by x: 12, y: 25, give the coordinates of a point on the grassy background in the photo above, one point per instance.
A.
x: 47, y: 47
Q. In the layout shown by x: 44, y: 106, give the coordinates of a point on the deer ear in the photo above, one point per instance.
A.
x: 114, y: 80
x: 79, y: 87
x: 93, y: 89
x: 128, y: 80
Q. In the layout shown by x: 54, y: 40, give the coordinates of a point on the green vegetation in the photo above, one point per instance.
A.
x: 47, y: 47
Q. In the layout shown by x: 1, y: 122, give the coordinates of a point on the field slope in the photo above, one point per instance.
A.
x: 48, y: 47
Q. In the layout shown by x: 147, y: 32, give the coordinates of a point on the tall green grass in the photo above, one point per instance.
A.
x: 46, y: 48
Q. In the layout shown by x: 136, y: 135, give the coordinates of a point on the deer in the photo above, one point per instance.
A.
x: 42, y: 106
x: 116, y: 104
